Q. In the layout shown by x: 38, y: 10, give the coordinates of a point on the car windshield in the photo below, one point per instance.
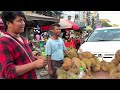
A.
x: 105, y: 35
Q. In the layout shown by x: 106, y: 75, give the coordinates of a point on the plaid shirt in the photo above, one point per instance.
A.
x: 11, y: 55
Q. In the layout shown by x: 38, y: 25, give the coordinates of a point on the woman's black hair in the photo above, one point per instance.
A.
x: 9, y: 16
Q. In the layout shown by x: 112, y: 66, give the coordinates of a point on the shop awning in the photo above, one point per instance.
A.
x: 41, y: 20
x: 35, y: 19
x: 32, y: 17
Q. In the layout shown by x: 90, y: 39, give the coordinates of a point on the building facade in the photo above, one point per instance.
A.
x: 84, y: 18
x: 79, y: 17
x: 95, y: 17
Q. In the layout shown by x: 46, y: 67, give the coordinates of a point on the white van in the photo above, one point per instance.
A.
x: 103, y: 42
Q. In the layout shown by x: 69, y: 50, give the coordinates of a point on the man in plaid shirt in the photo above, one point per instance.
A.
x: 14, y: 63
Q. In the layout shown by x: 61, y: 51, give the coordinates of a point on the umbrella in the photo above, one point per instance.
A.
x: 69, y: 25
x: 47, y: 27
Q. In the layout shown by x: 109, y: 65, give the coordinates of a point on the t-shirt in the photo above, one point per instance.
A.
x: 55, y: 48
x: 11, y: 54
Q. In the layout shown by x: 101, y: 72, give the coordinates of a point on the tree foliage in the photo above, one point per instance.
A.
x: 115, y: 25
x: 105, y: 23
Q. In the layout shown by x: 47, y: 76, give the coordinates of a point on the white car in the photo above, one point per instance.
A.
x: 103, y: 43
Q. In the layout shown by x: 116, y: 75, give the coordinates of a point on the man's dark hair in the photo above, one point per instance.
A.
x: 53, y: 26
x: 10, y: 16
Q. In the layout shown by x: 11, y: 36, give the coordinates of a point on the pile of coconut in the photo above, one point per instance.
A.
x: 90, y: 63
x: 73, y: 63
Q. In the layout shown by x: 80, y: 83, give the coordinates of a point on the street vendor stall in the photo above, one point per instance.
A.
x: 36, y: 20
x: 41, y: 20
x: 64, y: 24
x: 86, y: 65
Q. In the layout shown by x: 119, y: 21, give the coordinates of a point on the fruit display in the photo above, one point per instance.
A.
x: 60, y: 71
x: 115, y: 73
x: 115, y: 62
x: 90, y: 63
x: 87, y: 54
x: 72, y: 53
x: 83, y: 65
x: 62, y: 76
x: 111, y: 66
x: 71, y: 75
x: 75, y: 61
x: 104, y: 65
x: 66, y: 64
x: 80, y: 56
x: 117, y: 55
x: 87, y: 62
x: 114, y: 67
x: 93, y: 62
x: 96, y: 68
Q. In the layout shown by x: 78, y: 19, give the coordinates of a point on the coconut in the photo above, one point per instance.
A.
x: 74, y: 68
x: 111, y: 66
x: 62, y: 76
x: 114, y: 73
x: 60, y: 71
x: 104, y: 65
x: 93, y: 62
x: 87, y: 54
x: 96, y: 68
x: 80, y: 56
x: 72, y: 53
x: 83, y: 65
x: 66, y: 59
x: 87, y: 62
x: 71, y: 75
x: 115, y: 62
x: 117, y: 55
